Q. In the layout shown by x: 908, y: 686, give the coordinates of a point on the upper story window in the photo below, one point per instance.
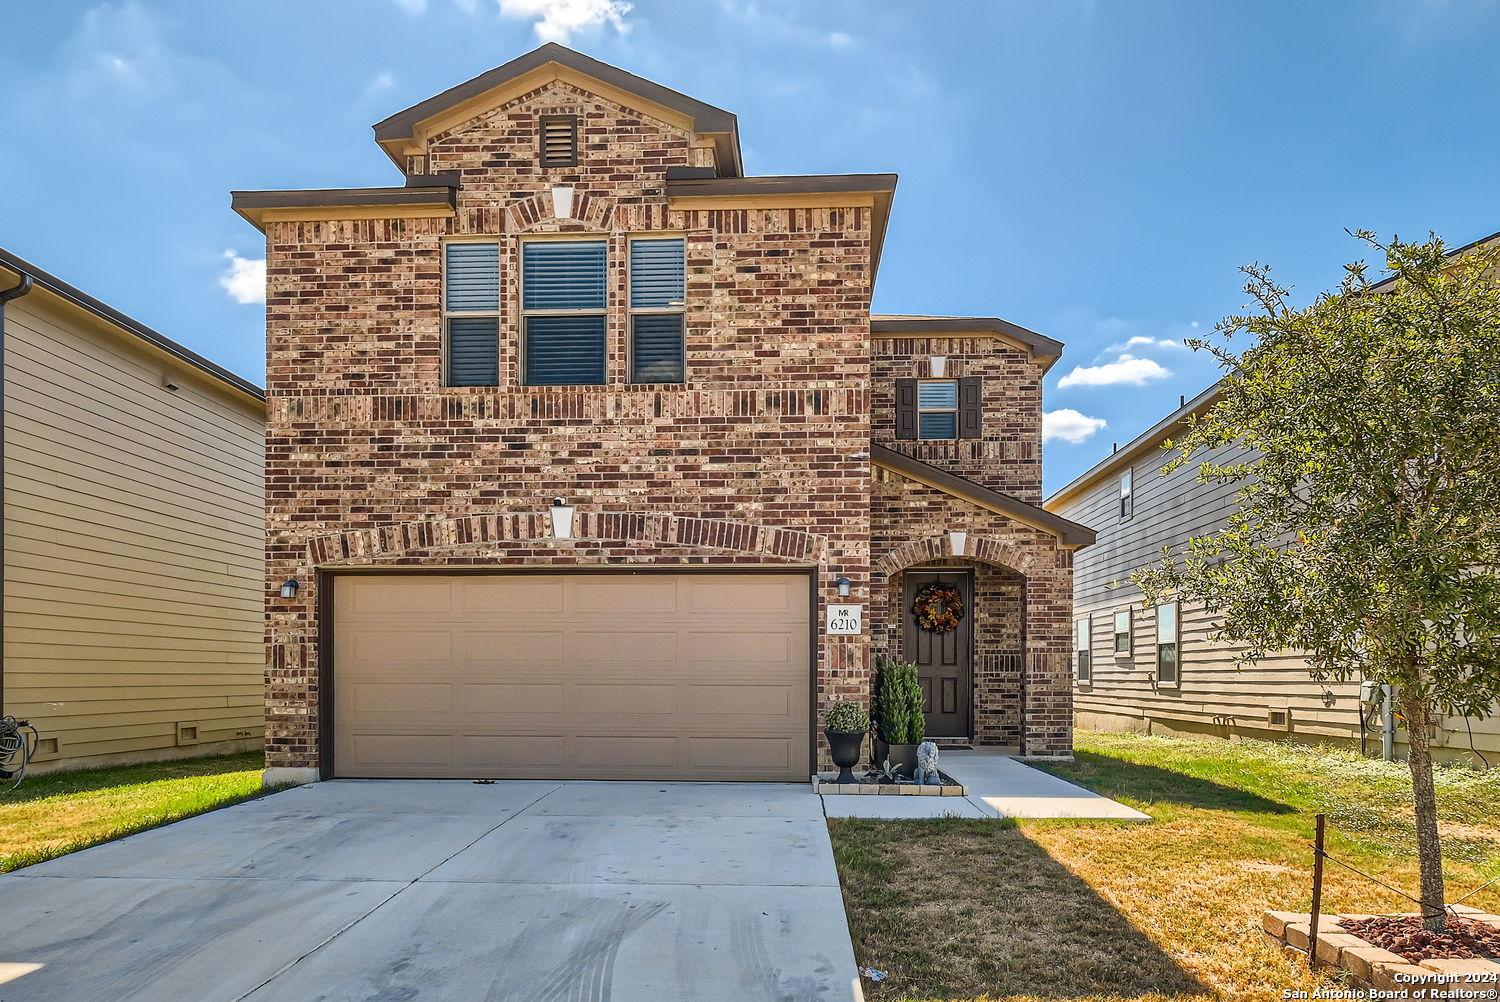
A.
x: 563, y: 301
x: 938, y: 409
x: 657, y: 301
x: 559, y: 140
x: 1127, y: 497
x: 471, y: 312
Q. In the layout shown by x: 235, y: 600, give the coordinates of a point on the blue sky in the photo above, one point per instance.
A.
x: 1092, y: 169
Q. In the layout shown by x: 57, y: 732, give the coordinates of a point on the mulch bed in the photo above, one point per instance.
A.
x: 1464, y: 938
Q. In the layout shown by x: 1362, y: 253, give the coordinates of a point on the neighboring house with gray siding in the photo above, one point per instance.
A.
x: 1157, y: 670
x: 133, y: 534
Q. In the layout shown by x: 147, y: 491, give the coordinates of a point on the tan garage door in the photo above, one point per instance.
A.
x: 572, y: 676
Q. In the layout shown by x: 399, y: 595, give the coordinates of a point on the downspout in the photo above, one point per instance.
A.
x: 15, y: 292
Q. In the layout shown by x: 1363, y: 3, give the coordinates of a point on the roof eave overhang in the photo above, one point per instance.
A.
x: 262, y: 207
x: 1040, y: 347
x: 1070, y: 535
x: 796, y: 191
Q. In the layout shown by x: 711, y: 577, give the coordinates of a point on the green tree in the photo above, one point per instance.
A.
x: 1367, y: 532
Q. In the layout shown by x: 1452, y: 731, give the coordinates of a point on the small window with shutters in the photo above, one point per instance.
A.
x: 471, y: 313
x: 563, y: 300
x: 938, y: 409
x: 559, y: 140
x: 657, y: 302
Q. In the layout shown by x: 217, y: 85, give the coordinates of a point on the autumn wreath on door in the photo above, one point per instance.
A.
x: 938, y: 608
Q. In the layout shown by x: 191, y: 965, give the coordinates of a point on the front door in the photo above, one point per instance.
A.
x: 945, y: 660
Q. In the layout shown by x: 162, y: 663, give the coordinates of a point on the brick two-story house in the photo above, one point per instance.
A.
x: 576, y: 437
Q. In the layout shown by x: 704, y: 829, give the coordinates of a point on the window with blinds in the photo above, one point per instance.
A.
x: 657, y: 302
x: 471, y: 312
x: 559, y: 140
x: 937, y: 408
x: 563, y: 299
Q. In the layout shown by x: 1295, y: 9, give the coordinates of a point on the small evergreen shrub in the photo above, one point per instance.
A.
x: 846, y: 715
x: 898, y: 702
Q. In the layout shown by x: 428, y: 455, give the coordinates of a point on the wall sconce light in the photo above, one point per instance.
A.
x: 562, y: 201
x: 843, y: 586
x: 289, y: 588
x: 562, y: 519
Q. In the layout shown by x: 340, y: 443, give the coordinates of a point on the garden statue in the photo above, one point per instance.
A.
x: 927, y: 760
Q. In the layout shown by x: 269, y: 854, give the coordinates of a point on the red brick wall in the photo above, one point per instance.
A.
x: 1008, y: 457
x: 370, y: 460
x: 912, y: 525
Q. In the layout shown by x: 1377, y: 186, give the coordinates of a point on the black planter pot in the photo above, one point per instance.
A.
x: 903, y: 758
x: 845, y: 747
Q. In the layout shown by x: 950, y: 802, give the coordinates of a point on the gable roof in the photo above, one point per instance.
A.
x: 405, y: 128
x: 59, y: 289
x: 1070, y: 534
x: 1041, y: 347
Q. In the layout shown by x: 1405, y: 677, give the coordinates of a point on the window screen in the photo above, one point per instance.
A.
x: 563, y: 296
x: 937, y: 408
x: 471, y: 304
x: 657, y: 301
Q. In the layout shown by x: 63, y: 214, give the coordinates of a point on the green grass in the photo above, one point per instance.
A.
x: 57, y: 813
x: 1108, y: 912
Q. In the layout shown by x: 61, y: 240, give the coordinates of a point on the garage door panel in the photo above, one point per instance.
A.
x: 740, y: 700
x: 566, y: 676
x: 511, y: 593
x: 489, y: 698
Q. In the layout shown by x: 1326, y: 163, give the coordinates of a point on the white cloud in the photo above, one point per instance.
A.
x: 1127, y: 370
x: 244, y: 279
x: 840, y: 40
x: 413, y: 7
x: 1069, y: 426
x: 557, y: 20
x: 1140, y: 341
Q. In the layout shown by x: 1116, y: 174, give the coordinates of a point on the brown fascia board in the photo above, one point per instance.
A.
x: 1040, y: 345
x: 881, y: 186
x: 430, y: 190
x: 1143, y: 444
x: 82, y: 300
x: 707, y: 120
x: 1069, y: 533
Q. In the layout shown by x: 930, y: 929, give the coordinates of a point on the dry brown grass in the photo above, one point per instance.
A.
x: 1103, y: 912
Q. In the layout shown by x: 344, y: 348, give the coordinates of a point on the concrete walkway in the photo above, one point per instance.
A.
x: 998, y: 787
x: 412, y: 890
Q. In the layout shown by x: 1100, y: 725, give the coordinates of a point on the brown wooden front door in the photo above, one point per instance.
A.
x: 945, y: 661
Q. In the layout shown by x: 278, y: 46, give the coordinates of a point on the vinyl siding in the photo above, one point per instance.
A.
x: 133, y: 544
x: 1213, y: 697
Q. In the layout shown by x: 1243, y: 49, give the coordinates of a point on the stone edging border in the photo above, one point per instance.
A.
x: 1369, y: 966
x: 823, y: 783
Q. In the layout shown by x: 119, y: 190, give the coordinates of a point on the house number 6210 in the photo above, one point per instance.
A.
x: 844, y: 619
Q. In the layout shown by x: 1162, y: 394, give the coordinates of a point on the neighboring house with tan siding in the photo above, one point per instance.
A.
x: 1164, y: 677
x: 133, y: 535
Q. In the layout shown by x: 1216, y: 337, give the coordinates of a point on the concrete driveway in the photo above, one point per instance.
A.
x: 413, y: 890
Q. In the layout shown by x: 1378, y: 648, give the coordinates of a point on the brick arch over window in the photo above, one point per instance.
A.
x: 535, y: 214
x: 536, y: 527
x: 955, y: 544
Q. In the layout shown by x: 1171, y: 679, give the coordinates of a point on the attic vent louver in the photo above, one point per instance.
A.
x: 559, y: 139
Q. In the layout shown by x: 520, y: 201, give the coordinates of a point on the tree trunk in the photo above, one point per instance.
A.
x: 1424, y: 803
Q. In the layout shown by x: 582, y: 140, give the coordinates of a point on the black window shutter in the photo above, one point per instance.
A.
x: 906, y: 408
x: 970, y: 413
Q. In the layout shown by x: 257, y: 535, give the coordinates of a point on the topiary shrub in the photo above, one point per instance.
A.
x: 898, y: 702
x: 846, y: 715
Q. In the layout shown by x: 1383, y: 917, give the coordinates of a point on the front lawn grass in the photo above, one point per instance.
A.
x: 61, y: 812
x: 1105, y: 912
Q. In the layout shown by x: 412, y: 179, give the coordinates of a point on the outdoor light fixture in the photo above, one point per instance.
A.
x: 843, y: 585
x: 562, y: 519
x: 562, y: 201
x: 289, y: 588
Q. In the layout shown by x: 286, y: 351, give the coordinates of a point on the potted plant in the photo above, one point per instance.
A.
x: 900, y: 723
x: 844, y: 726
